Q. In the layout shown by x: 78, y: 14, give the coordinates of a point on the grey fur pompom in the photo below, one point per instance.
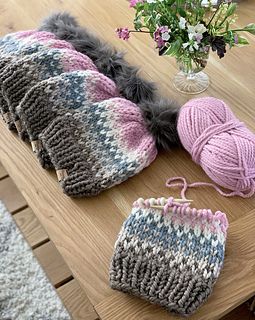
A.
x: 161, y: 118
x: 160, y: 114
x: 107, y: 59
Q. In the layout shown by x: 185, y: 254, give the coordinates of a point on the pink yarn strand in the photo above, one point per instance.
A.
x: 185, y: 186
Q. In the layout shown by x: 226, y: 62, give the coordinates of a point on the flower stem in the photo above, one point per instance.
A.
x: 216, y: 11
x: 133, y: 31
x: 233, y: 30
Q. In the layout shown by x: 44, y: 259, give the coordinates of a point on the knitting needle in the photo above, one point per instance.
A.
x: 182, y: 200
x: 175, y: 200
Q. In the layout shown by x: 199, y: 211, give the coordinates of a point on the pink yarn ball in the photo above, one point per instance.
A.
x: 220, y: 143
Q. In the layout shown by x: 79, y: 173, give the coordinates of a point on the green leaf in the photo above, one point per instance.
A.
x: 242, y: 41
x: 182, y: 12
x: 227, y: 26
x: 231, y: 9
x: 250, y: 28
x: 174, y: 48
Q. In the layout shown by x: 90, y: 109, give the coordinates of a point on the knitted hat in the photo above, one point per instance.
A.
x: 170, y: 257
x: 21, y: 44
x: 57, y: 95
x: 98, y: 146
x: 21, y: 75
x: 10, y: 42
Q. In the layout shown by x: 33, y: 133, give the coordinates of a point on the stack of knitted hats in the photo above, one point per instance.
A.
x: 74, y: 116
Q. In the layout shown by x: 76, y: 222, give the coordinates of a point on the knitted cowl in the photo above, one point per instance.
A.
x: 172, y: 259
x: 21, y: 44
x: 98, y: 146
x: 18, y: 77
x: 56, y: 96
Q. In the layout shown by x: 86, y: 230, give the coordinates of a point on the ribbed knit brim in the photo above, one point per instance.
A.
x: 21, y: 75
x: 171, y: 259
x: 56, y: 95
x: 108, y: 138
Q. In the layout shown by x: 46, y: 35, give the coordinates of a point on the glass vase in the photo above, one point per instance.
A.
x: 191, y: 79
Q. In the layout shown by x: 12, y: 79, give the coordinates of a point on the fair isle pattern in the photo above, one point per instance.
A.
x: 56, y: 95
x: 99, y: 146
x: 23, y: 44
x: 10, y: 42
x: 18, y: 77
x: 170, y: 257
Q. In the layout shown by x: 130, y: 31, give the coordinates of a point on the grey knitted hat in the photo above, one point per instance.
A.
x: 18, y: 77
x: 19, y: 44
x: 171, y: 257
x: 98, y: 146
x: 55, y: 96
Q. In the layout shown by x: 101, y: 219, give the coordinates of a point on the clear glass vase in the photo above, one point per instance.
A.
x: 191, y: 79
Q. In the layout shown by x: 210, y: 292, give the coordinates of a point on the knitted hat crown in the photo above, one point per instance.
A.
x: 10, y: 42
x: 21, y: 75
x: 99, y: 146
x: 170, y: 257
x: 20, y: 44
x: 57, y: 95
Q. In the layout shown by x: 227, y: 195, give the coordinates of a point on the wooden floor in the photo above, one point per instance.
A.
x: 56, y: 269
x: 84, y: 230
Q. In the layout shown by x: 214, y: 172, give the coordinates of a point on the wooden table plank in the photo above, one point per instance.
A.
x: 76, y: 301
x: 3, y: 172
x: 85, y: 230
x: 30, y: 227
x: 11, y: 196
x: 53, y: 264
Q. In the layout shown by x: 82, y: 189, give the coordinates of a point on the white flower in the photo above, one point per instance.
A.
x: 205, y: 3
x: 191, y: 46
x: 191, y: 29
x: 151, y: 1
x: 165, y: 36
x: 195, y: 45
x: 182, y: 23
x: 200, y: 28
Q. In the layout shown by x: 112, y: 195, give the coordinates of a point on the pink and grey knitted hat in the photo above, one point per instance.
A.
x: 98, y: 146
x: 170, y: 256
x: 21, y: 44
x: 56, y: 96
x: 21, y: 75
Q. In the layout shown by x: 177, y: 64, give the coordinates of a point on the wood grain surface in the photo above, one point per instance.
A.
x: 3, y: 172
x: 84, y: 230
x: 76, y: 301
x: 31, y: 228
x: 11, y: 196
x: 53, y: 264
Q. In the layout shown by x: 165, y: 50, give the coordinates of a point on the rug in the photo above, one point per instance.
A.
x: 25, y: 291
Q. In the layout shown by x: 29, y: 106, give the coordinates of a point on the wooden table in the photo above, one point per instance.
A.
x: 84, y: 230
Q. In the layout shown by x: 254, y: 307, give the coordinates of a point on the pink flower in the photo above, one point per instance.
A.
x: 160, y: 34
x: 123, y: 33
x: 133, y: 3
x: 236, y: 40
x: 163, y: 29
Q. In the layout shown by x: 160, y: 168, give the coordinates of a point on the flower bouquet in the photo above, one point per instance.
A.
x: 187, y: 30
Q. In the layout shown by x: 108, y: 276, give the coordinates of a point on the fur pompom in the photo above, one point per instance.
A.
x: 57, y: 21
x: 160, y: 114
x: 161, y: 118
x: 108, y: 60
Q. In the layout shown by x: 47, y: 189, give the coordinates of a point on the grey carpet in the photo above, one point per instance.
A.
x: 25, y: 291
